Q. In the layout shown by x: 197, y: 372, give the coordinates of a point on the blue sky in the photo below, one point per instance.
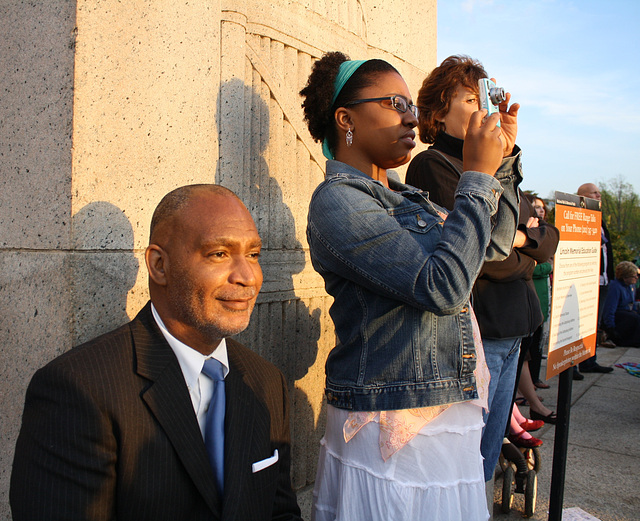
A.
x: 574, y: 66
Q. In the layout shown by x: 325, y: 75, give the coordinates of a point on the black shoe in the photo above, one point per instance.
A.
x: 577, y: 375
x: 552, y: 418
x: 596, y: 368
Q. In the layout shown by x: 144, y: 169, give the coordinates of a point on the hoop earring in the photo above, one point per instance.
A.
x: 349, y: 137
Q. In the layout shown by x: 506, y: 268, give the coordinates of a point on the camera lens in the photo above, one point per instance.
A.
x: 497, y: 95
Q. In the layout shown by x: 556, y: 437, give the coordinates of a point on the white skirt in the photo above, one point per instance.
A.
x: 437, y: 476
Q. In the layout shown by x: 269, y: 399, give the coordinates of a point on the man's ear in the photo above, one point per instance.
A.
x: 157, y: 262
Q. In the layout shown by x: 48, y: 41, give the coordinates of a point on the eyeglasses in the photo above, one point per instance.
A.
x: 398, y: 102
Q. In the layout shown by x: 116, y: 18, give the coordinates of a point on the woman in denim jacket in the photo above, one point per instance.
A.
x: 406, y: 383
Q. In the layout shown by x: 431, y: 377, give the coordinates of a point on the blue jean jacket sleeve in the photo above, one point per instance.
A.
x: 360, y: 231
x: 505, y: 221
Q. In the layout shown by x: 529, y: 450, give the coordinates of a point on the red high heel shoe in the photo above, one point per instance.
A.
x: 532, y: 425
x: 519, y: 441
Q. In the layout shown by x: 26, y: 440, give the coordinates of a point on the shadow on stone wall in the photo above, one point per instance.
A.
x: 283, y: 329
x: 286, y: 331
x: 103, y: 270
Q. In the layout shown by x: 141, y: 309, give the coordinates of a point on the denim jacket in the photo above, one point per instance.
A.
x: 401, y: 277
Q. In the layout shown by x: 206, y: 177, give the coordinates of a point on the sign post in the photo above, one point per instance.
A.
x: 574, y: 316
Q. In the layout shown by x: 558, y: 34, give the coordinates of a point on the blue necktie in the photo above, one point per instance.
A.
x: 214, y: 427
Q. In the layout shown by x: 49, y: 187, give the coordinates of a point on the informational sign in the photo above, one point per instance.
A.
x: 576, y: 275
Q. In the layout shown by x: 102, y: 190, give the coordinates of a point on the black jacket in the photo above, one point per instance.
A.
x: 109, y: 432
x: 504, y: 297
x: 609, y: 255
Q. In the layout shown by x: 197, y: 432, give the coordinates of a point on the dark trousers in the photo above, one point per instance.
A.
x: 627, y: 331
x: 602, y: 295
x: 535, y: 351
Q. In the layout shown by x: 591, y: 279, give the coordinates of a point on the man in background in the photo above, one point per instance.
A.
x: 590, y: 365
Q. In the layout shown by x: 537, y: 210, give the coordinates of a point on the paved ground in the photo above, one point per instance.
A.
x: 603, y: 463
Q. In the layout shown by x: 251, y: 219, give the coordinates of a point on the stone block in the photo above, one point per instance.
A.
x: 34, y: 326
x: 146, y: 92
x: 36, y: 111
x: 101, y: 282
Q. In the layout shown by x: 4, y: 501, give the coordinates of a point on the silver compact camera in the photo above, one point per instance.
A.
x: 490, y: 96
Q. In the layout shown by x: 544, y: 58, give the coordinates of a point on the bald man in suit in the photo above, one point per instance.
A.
x: 114, y: 429
x: 590, y: 365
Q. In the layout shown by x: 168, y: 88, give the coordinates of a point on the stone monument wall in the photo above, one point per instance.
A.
x: 106, y: 106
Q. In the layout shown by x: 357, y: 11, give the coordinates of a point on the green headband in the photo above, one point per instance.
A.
x: 344, y: 73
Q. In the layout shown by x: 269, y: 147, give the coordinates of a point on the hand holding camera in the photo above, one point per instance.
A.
x: 482, y: 149
x: 495, y: 99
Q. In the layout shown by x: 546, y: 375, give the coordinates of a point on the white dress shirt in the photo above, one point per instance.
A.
x: 191, y: 362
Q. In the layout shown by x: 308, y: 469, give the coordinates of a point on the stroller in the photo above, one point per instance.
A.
x: 519, y: 474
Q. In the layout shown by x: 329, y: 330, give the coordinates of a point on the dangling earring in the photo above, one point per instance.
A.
x: 349, y: 137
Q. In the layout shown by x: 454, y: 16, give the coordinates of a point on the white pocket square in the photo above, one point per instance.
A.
x: 261, y: 465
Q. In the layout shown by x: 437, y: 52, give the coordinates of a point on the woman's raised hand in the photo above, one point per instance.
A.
x: 509, y: 122
x: 483, y: 149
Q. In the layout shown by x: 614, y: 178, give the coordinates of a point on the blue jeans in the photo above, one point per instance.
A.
x: 502, y: 359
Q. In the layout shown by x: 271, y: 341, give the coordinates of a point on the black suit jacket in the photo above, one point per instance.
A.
x: 609, y: 256
x: 109, y: 432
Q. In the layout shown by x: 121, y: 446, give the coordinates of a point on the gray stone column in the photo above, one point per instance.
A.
x: 36, y: 110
